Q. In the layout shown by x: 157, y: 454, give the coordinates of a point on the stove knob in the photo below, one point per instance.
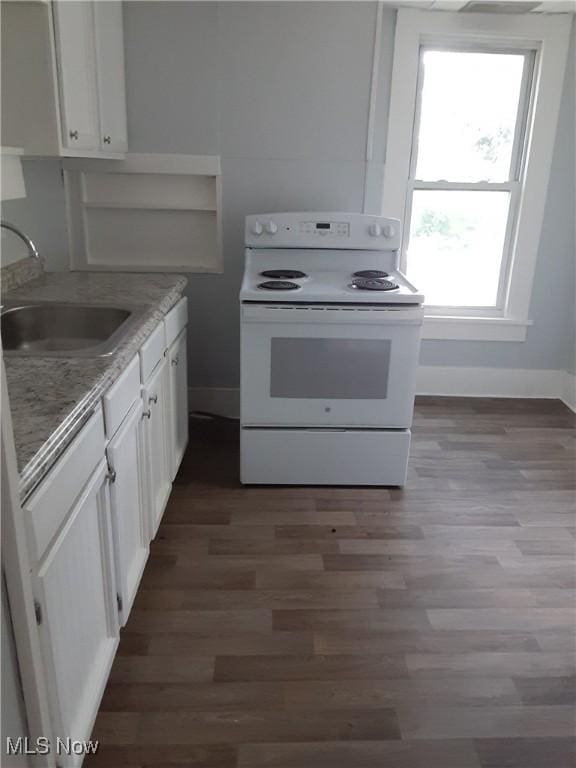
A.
x: 256, y: 228
x: 375, y: 230
x: 388, y: 230
x: 271, y: 227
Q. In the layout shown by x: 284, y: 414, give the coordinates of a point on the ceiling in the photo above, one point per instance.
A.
x: 492, y: 6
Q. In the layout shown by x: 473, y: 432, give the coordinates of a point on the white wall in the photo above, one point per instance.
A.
x: 570, y: 161
x: 41, y: 214
x: 281, y: 92
x: 550, y: 341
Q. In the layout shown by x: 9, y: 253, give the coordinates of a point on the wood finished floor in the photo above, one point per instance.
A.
x: 430, y: 627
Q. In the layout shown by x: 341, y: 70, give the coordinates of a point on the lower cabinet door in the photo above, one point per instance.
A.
x: 129, y: 523
x: 155, y: 425
x: 178, y: 415
x: 77, y: 613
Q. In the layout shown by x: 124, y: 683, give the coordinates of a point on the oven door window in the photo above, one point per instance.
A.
x: 330, y: 369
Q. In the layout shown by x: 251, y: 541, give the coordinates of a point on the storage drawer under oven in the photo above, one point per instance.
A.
x: 324, y: 456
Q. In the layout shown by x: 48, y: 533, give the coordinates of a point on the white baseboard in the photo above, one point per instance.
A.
x: 455, y: 381
x: 488, y: 382
x: 568, y: 395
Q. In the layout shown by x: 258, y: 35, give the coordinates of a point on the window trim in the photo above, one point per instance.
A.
x: 512, y: 185
x: 549, y: 35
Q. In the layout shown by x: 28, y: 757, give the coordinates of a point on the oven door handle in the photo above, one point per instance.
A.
x: 353, y: 315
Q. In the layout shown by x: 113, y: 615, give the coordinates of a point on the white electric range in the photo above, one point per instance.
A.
x: 330, y: 336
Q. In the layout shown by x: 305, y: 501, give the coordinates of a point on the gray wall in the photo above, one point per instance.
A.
x: 281, y: 92
x: 41, y: 214
x: 569, y: 127
x: 550, y: 342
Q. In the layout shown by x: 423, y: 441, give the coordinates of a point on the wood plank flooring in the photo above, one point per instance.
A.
x: 429, y: 627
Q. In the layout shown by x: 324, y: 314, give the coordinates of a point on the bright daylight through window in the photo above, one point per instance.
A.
x: 465, y: 173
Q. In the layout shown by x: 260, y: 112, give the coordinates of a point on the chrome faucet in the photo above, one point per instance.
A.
x: 32, y: 250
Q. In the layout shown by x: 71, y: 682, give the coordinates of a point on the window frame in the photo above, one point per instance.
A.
x: 515, y: 172
x: 548, y: 37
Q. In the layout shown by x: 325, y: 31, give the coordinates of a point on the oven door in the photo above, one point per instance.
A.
x: 329, y: 366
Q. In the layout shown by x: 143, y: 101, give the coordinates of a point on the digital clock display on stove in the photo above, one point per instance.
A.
x: 325, y: 228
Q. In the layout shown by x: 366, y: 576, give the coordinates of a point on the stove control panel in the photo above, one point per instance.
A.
x: 325, y: 228
x: 322, y: 230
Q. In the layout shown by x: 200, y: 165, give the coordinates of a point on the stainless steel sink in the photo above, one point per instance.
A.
x: 64, y: 330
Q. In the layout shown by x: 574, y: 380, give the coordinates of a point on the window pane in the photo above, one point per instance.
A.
x: 456, y: 243
x: 468, y: 115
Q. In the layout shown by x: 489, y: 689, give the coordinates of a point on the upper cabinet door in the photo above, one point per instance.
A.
x: 76, y: 57
x: 111, y: 79
x: 63, y: 81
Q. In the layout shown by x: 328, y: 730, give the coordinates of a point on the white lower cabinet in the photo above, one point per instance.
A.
x: 90, y: 521
x: 155, y: 428
x: 127, y: 494
x: 76, y: 610
x: 178, y: 402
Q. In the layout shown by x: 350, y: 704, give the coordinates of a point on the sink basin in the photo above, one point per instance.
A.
x: 66, y: 330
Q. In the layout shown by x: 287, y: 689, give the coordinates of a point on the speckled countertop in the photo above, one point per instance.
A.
x: 51, y: 398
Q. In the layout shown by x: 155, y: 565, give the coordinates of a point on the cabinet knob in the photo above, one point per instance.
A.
x: 153, y: 399
x: 111, y: 475
x: 175, y: 360
x: 146, y: 414
x: 73, y: 135
x: 107, y: 139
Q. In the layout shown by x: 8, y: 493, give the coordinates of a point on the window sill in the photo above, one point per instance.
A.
x: 474, y: 328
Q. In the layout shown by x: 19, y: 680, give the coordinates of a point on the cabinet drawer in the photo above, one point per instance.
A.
x: 176, y: 320
x: 49, y: 506
x: 119, y: 398
x: 152, y: 351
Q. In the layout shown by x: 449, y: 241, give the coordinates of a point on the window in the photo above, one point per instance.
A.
x: 465, y: 173
x: 471, y: 128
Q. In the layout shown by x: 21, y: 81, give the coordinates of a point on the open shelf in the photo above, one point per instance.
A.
x: 154, y: 215
x: 150, y: 207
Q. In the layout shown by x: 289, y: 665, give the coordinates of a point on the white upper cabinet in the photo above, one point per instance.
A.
x: 111, y: 81
x: 74, y: 28
x: 63, y: 82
